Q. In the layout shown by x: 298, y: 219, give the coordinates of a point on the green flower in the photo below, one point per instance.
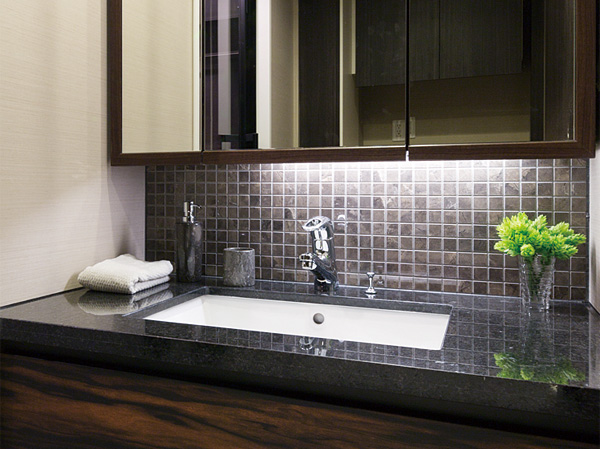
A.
x: 527, y: 250
x: 520, y: 236
x: 540, y: 222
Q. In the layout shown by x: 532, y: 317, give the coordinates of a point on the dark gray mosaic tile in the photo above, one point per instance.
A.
x: 428, y: 226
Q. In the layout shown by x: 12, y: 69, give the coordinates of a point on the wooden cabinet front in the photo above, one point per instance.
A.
x: 448, y: 39
x: 50, y: 404
x: 480, y: 38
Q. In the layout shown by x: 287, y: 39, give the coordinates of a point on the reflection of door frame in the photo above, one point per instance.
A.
x: 236, y: 127
x: 552, y: 92
x: 319, y: 73
x: 198, y: 76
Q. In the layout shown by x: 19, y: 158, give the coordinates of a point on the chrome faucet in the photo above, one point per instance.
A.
x: 321, y: 261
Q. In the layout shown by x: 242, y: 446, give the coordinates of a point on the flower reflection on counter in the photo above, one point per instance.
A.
x: 516, y: 367
x: 534, y: 357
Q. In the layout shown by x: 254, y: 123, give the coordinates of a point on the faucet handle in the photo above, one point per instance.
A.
x: 371, y: 289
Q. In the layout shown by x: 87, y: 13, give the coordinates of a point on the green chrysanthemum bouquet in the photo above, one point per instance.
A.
x: 537, y: 245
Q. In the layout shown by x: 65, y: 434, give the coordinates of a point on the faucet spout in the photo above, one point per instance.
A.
x: 321, y: 260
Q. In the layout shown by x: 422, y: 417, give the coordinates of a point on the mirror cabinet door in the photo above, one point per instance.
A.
x: 506, y: 72
x: 326, y: 80
x: 285, y: 74
x: 229, y: 30
x: 155, y: 79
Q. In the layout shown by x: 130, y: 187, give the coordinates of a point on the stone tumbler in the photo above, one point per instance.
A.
x: 238, y: 267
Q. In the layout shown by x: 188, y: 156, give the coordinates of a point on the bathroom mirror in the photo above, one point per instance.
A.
x: 324, y: 80
x: 161, y: 75
x: 492, y: 72
x: 155, y: 78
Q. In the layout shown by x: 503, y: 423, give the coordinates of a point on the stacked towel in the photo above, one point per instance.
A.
x: 125, y: 274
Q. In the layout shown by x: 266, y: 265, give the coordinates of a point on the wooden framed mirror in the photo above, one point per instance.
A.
x: 324, y: 81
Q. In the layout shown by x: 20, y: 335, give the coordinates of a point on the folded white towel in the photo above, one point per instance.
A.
x: 125, y: 274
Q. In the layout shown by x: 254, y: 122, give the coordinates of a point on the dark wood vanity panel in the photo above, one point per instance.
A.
x: 424, y: 51
x: 53, y: 404
x: 552, y: 53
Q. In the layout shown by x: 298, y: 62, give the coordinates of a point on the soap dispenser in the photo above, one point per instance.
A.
x: 190, y: 245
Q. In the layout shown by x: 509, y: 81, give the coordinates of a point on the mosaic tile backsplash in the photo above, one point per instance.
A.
x: 419, y: 225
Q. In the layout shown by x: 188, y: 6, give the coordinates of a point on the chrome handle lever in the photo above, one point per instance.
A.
x: 371, y: 290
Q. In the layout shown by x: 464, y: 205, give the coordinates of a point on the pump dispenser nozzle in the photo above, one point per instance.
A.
x: 188, y: 211
x: 190, y: 245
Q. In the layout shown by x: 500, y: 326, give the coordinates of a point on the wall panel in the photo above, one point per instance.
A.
x: 62, y: 207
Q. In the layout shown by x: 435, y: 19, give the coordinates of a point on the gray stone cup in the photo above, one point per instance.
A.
x: 238, y: 267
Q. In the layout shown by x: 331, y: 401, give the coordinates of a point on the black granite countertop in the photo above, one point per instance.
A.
x: 497, y: 364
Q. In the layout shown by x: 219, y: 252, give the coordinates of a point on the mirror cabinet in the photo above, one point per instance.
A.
x: 264, y: 81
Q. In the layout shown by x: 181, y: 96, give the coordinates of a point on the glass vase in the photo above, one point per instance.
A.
x: 536, y: 276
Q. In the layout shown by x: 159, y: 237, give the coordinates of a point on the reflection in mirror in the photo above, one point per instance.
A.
x: 161, y: 76
x: 306, y: 86
x: 503, y: 71
x: 230, y: 74
x: 272, y: 72
x: 332, y: 73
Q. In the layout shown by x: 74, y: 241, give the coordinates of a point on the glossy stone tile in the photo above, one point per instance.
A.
x: 389, y: 217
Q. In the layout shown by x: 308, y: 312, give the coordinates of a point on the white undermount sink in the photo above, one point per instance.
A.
x: 423, y: 330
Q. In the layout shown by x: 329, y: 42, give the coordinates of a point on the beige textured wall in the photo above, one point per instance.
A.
x: 61, y: 206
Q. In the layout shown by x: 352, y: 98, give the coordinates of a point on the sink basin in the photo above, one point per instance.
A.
x: 407, y: 328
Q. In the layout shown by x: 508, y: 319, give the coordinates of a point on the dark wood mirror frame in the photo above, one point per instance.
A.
x: 583, y: 145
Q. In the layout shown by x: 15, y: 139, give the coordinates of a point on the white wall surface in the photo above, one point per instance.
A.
x: 62, y: 207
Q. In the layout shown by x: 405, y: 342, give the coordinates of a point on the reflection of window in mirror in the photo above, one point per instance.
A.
x: 161, y: 76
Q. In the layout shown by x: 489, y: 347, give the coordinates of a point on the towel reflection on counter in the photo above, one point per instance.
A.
x: 101, y: 303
